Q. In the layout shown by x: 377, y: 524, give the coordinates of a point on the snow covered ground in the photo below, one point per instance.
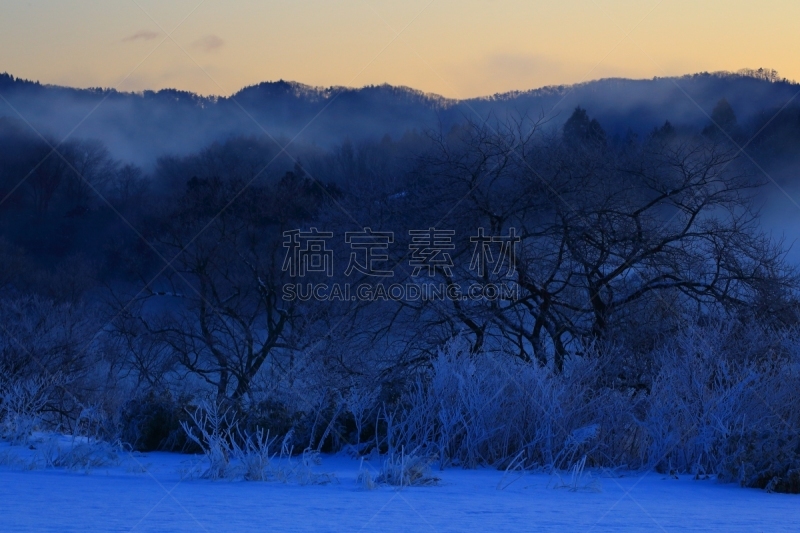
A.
x: 150, y: 492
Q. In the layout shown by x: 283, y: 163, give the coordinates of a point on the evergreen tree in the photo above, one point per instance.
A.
x: 723, y: 121
x: 580, y: 130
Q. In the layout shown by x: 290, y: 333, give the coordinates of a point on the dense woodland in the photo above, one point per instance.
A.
x: 655, y: 323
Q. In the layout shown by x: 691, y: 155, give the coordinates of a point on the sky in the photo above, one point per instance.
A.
x: 456, y: 48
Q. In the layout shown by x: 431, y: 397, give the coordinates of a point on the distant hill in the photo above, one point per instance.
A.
x: 142, y: 126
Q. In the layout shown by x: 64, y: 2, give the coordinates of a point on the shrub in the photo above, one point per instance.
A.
x: 22, y: 406
x: 728, y: 409
x: 235, y: 454
x: 479, y: 409
x: 764, y: 459
x: 153, y: 422
x: 272, y: 415
x: 85, y: 456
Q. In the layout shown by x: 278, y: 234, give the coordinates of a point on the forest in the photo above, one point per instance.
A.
x: 504, y: 288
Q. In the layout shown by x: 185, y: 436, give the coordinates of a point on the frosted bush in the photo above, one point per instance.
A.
x: 727, y: 408
x: 359, y: 402
x: 406, y: 470
x: 213, y: 430
x: 86, y: 456
x: 53, y: 450
x: 231, y: 453
x: 484, y: 409
x: 21, y: 406
x: 255, y: 456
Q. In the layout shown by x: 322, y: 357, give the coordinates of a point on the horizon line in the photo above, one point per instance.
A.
x: 745, y: 72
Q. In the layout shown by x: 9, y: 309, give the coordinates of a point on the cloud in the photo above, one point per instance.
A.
x: 143, y: 35
x: 208, y: 44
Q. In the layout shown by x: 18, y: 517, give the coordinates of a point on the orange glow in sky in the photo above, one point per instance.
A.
x: 457, y: 48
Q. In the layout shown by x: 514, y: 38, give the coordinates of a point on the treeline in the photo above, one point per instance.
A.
x: 139, y: 127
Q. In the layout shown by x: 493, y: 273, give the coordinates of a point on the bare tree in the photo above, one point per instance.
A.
x: 605, y: 232
x: 219, y: 306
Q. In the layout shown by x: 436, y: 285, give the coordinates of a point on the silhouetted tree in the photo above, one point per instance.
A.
x: 723, y: 121
x: 607, y: 238
x: 580, y: 130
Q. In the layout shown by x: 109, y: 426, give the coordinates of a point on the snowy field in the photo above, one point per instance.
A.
x: 151, y: 492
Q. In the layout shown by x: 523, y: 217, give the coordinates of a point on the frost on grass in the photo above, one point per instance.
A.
x: 365, y: 479
x: 717, y: 406
x: 578, y: 480
x: 407, y: 470
x: 54, y: 450
x: 231, y: 453
x: 23, y: 407
x: 77, y: 454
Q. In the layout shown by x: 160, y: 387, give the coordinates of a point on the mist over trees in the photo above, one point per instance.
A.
x: 625, y: 270
x: 139, y: 127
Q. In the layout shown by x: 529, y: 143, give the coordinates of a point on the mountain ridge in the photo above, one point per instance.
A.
x: 141, y: 126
